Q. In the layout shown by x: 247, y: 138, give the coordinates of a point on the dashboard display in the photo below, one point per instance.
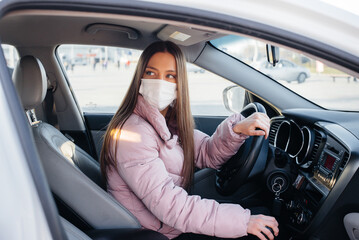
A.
x: 322, y: 155
x: 329, y: 162
x: 289, y: 138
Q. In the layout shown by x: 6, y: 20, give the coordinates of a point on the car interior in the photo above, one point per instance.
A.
x: 305, y: 173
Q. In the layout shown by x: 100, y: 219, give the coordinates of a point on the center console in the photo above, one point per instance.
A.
x: 331, y: 163
x: 308, y: 188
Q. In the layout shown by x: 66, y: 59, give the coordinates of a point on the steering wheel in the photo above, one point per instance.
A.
x: 236, y: 170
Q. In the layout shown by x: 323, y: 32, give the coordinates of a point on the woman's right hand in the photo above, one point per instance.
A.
x: 256, y: 124
x: 257, y: 226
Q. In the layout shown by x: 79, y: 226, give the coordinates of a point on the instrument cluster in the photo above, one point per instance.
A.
x: 297, y: 141
x: 311, y: 147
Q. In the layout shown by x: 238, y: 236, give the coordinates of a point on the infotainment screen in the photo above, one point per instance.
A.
x: 329, y: 162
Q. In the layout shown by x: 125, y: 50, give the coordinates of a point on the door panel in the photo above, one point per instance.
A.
x: 97, y: 124
x: 207, y: 124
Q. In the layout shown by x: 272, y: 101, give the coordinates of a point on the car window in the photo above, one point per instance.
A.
x: 206, y: 92
x: 284, y: 63
x: 322, y: 84
x: 100, y: 76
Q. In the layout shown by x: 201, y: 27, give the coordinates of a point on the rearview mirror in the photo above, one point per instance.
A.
x: 272, y: 54
x: 233, y: 98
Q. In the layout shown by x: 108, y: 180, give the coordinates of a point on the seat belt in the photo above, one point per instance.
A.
x: 49, y: 107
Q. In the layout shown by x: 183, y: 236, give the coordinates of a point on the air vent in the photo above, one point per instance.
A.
x: 273, y: 131
x: 317, y: 141
x: 344, y: 162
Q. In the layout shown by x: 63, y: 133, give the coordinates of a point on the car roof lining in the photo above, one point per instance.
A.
x: 42, y: 27
x: 45, y: 28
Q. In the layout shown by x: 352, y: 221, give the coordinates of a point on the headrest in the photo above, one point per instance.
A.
x: 30, y: 81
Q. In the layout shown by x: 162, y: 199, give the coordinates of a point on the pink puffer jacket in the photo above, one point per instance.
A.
x: 148, y: 180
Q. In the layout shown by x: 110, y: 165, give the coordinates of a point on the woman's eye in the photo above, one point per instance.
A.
x: 149, y: 73
x: 171, y: 76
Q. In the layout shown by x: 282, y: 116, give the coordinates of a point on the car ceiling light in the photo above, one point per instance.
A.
x: 180, y: 36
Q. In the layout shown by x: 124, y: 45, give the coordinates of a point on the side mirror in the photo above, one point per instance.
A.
x: 272, y: 54
x: 233, y: 98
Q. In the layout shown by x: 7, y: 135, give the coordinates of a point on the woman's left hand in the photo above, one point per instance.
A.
x: 256, y: 124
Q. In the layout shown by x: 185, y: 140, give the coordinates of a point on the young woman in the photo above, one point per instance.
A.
x: 150, y: 151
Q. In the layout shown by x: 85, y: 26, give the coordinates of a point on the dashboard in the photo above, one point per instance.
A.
x: 309, y: 167
x: 311, y: 148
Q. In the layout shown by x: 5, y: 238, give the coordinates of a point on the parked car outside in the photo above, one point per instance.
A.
x: 285, y: 70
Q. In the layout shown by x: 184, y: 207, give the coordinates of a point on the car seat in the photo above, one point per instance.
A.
x: 73, y: 175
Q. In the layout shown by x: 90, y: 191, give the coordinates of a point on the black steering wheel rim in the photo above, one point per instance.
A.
x: 236, y: 170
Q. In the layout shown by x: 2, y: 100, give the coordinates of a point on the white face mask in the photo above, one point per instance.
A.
x: 157, y: 92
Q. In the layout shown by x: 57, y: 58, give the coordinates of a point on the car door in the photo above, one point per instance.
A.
x: 27, y: 208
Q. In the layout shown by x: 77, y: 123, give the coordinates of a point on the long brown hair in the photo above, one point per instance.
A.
x: 181, y: 107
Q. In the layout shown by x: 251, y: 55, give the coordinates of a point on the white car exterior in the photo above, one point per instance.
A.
x: 20, y: 201
x: 313, y: 19
x: 285, y: 70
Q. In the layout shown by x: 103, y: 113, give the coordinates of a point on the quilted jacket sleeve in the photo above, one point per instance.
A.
x: 215, y: 150
x: 145, y: 173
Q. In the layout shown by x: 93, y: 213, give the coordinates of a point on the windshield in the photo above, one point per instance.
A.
x: 327, y: 87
